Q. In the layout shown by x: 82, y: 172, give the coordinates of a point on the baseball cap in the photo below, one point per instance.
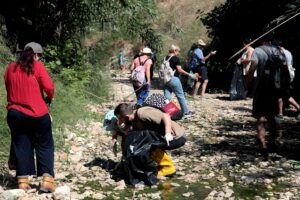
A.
x: 36, y: 47
x: 109, y: 120
x: 200, y: 42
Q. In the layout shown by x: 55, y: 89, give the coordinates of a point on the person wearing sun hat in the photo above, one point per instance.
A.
x: 142, y: 92
x: 26, y: 81
x: 201, y: 70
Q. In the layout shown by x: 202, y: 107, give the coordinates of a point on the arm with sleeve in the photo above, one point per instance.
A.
x: 45, y: 80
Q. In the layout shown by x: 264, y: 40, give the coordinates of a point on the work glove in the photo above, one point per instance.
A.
x: 192, y: 75
x: 168, y: 137
x: 213, y: 52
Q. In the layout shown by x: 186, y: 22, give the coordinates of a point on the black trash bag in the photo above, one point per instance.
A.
x: 237, y: 86
x: 136, y: 164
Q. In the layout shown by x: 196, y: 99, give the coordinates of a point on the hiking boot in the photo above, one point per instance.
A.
x: 23, y: 183
x: 188, y: 114
x: 47, y: 184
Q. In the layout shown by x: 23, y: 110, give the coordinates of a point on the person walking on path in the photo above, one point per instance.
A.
x: 245, y: 61
x: 28, y: 118
x: 174, y: 85
x: 201, y: 69
x: 285, y: 95
x: 265, y: 100
x: 142, y: 92
x: 121, y: 60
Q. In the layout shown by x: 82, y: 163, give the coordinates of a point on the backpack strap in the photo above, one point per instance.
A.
x: 167, y: 60
x: 142, y: 63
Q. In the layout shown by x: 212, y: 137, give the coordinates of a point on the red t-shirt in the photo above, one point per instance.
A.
x: 25, y: 92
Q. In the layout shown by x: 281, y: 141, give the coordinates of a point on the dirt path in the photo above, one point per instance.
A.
x: 219, y: 161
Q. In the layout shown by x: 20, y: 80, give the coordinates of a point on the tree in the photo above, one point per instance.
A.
x: 230, y: 23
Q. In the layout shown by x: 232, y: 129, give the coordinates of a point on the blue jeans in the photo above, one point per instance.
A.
x: 174, y: 85
x: 29, y: 134
x: 142, y: 93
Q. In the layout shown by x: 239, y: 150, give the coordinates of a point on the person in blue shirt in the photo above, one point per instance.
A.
x: 201, y: 70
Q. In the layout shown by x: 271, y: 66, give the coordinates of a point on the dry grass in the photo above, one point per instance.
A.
x: 178, y: 21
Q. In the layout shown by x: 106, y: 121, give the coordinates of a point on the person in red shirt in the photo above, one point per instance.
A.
x: 29, y: 89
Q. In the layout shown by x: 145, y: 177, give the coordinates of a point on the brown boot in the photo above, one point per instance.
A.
x: 48, y: 184
x: 23, y: 183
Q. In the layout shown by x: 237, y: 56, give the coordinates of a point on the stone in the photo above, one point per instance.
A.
x: 12, y: 194
x: 62, y: 193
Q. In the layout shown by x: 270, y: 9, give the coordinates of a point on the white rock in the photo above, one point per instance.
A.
x: 155, y: 195
x: 175, y: 185
x: 12, y: 194
x: 188, y: 194
x: 268, y: 181
x: 120, y: 185
x: 70, y: 136
x: 62, y: 193
x: 99, y: 196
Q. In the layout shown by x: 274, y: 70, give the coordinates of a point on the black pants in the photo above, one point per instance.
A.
x: 174, y: 144
x: 29, y: 134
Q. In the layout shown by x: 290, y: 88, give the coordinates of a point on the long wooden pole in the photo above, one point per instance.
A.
x: 239, y: 51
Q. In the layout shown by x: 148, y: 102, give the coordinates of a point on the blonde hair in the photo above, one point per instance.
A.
x: 173, y: 48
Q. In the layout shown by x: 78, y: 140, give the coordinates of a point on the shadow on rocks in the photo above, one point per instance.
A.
x: 8, y: 181
x: 114, y: 168
x: 237, y: 140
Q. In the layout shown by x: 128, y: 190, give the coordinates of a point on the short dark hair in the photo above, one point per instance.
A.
x: 123, y: 109
x: 269, y: 37
x: 247, y: 40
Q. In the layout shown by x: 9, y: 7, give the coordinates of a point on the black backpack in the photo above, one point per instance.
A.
x: 275, y: 71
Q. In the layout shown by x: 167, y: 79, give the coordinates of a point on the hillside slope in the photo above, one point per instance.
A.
x: 178, y: 23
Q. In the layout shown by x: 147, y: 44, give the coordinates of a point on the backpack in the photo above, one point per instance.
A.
x: 165, y: 72
x: 138, y: 74
x: 193, y: 61
x: 291, y: 72
x: 275, y: 72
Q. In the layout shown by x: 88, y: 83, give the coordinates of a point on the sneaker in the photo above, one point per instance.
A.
x: 279, y: 118
x: 188, y: 114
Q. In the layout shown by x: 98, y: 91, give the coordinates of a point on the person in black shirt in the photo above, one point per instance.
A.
x: 174, y: 85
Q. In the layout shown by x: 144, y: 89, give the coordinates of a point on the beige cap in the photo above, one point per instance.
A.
x: 147, y: 50
x: 36, y: 47
x: 200, y: 42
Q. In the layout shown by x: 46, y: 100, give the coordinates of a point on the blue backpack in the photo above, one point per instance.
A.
x: 194, y: 61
